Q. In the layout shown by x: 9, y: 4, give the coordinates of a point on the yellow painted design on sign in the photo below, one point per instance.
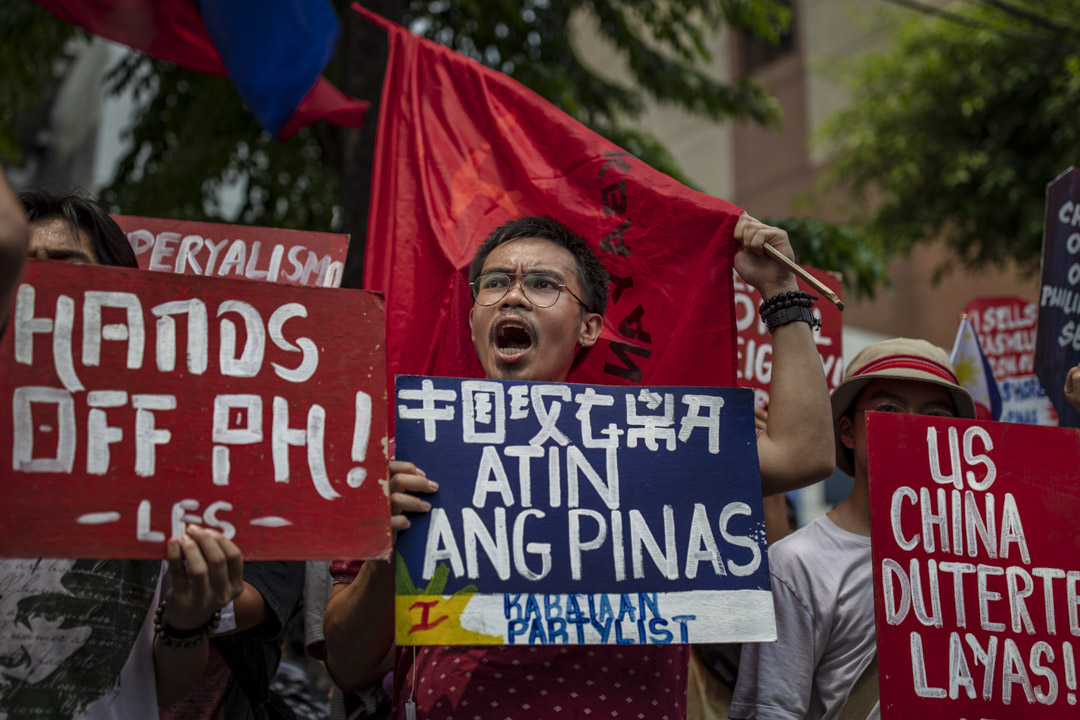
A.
x: 427, y: 617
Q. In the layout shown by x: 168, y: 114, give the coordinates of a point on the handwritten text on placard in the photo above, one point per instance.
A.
x: 136, y: 402
x: 977, y: 582
x: 630, y: 515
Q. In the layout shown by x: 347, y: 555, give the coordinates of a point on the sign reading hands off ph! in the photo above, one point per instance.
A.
x: 976, y: 568
x: 581, y: 514
x: 132, y: 403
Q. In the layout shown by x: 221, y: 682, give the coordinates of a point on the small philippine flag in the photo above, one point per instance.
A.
x: 973, y: 371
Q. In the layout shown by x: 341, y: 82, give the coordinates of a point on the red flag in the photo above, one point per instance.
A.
x: 462, y: 149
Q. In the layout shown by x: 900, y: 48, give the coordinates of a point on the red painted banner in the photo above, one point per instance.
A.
x: 976, y: 567
x: 291, y: 257
x: 134, y: 403
x: 755, y: 342
x: 452, y: 165
x: 1007, y: 327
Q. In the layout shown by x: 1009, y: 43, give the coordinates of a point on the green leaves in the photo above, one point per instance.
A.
x: 819, y: 244
x: 33, y: 53
x: 193, y: 142
x: 954, y: 133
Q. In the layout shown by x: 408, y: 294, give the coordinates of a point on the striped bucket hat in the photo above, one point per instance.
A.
x: 898, y: 359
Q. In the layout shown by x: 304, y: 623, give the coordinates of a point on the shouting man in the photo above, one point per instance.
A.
x: 539, y: 298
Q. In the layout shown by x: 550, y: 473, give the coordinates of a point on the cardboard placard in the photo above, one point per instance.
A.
x: 976, y: 569
x: 581, y: 514
x: 133, y: 403
x: 1058, y: 342
x: 1007, y: 328
x: 754, y: 369
x: 185, y: 247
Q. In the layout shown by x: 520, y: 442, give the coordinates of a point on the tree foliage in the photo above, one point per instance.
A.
x: 840, y: 248
x: 955, y: 132
x: 193, y: 136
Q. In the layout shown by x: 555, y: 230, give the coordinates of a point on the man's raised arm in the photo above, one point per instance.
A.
x: 797, y: 446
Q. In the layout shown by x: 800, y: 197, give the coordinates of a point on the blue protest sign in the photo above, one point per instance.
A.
x: 1057, y: 346
x: 581, y: 514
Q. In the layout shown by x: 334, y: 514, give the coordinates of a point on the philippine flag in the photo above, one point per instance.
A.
x: 973, y: 371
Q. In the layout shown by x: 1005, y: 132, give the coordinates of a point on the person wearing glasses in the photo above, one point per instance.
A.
x: 539, y: 299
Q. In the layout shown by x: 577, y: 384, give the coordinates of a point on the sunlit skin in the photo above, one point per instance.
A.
x: 55, y: 239
x: 554, y: 334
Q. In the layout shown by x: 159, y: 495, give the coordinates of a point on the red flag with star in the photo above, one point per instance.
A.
x: 462, y: 149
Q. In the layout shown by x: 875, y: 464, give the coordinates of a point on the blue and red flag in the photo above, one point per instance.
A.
x: 272, y: 50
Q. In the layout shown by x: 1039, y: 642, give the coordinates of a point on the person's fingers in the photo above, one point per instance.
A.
x: 219, y: 585
x: 405, y: 482
x: 741, y: 225
x: 195, y: 566
x: 174, y: 556
x: 403, y: 503
x: 234, y: 560
x: 400, y: 466
x: 399, y: 523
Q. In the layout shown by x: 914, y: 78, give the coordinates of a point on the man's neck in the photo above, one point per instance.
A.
x: 853, y: 514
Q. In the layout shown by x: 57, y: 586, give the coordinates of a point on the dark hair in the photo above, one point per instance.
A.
x: 109, y: 241
x: 591, y: 273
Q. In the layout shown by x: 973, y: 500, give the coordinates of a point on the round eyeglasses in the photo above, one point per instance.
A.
x: 541, y: 290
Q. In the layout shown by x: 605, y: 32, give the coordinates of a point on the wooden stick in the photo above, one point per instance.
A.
x: 802, y: 273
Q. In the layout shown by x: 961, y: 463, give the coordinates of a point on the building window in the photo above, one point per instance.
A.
x: 754, y: 54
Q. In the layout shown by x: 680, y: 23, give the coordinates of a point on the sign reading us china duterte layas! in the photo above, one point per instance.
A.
x: 581, y: 514
x: 976, y: 569
x: 132, y: 403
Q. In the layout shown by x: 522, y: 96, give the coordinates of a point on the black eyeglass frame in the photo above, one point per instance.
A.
x: 519, y: 280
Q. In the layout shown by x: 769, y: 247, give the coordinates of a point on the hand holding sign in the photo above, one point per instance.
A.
x: 207, y: 573
x: 406, y: 478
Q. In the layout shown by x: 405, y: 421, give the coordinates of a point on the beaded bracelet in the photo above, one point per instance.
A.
x: 792, y: 306
x: 792, y: 298
x: 175, y: 638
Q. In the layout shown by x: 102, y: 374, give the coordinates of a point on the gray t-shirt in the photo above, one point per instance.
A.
x: 823, y: 592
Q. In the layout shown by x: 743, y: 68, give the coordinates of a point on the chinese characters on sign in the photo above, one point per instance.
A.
x: 575, y: 514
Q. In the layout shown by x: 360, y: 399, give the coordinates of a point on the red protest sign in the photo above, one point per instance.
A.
x: 1007, y: 327
x: 755, y: 342
x: 292, y: 257
x: 132, y: 403
x: 976, y: 575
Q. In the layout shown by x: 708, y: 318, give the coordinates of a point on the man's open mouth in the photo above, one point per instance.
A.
x: 513, y: 337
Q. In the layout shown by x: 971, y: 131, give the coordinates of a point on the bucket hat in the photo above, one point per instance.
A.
x: 896, y: 359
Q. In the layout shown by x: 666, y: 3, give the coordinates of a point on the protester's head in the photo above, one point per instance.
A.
x: 539, y: 297
x: 899, y: 375
x: 75, y: 229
